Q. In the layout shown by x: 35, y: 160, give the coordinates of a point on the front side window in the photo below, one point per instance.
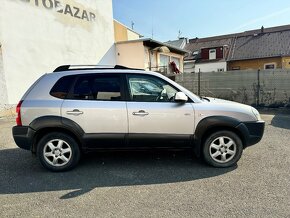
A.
x: 144, y: 88
x: 97, y: 87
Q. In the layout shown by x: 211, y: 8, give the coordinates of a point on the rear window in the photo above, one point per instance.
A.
x: 62, y: 87
x: 98, y: 87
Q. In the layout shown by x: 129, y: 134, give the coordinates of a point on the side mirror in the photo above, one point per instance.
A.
x: 180, y: 97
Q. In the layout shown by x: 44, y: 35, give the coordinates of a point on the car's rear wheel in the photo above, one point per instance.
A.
x: 222, y: 149
x: 58, y: 151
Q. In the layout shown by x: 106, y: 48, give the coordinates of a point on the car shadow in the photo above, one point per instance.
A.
x: 281, y: 121
x: 22, y: 173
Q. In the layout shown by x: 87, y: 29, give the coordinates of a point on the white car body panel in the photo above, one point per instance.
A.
x: 162, y: 118
x: 98, y: 116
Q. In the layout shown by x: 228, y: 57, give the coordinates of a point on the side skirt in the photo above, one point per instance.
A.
x: 136, y: 141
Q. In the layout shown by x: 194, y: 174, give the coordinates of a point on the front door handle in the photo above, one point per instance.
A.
x: 140, y: 113
x: 75, y: 112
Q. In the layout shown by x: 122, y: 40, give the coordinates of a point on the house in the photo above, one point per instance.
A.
x: 149, y: 54
x: 262, y: 50
x: 38, y: 36
x: 188, y: 64
x: 144, y: 53
x: 124, y: 33
x: 208, y: 54
x: 180, y: 43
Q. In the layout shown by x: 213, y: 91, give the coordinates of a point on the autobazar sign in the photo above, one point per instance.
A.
x: 64, y: 8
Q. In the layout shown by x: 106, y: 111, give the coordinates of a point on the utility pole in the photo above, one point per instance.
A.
x: 258, y: 89
x: 198, y: 91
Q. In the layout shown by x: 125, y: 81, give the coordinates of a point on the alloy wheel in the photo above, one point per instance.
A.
x: 57, y: 152
x: 222, y: 149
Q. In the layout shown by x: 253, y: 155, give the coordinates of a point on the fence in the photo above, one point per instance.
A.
x: 269, y: 88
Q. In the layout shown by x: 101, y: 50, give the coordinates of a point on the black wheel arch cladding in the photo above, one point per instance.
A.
x: 54, y: 122
x: 213, y: 122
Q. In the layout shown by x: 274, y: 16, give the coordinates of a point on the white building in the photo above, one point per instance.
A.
x: 207, y: 54
x: 36, y: 36
x: 211, y: 67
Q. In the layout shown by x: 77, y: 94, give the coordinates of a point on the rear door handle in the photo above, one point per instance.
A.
x: 140, y: 113
x: 75, y: 112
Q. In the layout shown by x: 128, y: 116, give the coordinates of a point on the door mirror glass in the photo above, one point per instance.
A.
x: 180, y: 97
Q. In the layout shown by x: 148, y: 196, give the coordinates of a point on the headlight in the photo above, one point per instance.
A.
x: 256, y: 113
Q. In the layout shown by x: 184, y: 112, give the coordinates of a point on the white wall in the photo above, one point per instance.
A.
x: 3, y: 88
x: 210, y: 67
x: 130, y: 54
x: 36, y: 40
x: 188, y: 66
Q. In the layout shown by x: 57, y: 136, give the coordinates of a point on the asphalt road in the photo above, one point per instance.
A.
x: 150, y: 184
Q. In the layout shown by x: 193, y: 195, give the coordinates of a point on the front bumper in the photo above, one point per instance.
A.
x: 252, y: 132
x: 23, y: 136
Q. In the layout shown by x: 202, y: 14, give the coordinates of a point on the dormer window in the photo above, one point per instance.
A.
x: 212, y: 54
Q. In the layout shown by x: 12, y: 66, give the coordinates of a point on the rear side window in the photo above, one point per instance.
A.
x: 98, y: 87
x: 62, y: 87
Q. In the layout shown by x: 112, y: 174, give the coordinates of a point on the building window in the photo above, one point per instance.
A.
x: 270, y: 66
x: 220, y: 70
x: 163, y: 63
x: 164, y: 60
x: 212, y: 54
x: 236, y: 68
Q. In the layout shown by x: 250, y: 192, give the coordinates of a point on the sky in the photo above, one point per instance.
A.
x: 163, y: 19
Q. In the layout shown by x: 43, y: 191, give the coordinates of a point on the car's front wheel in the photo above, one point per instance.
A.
x: 222, y: 149
x: 58, y: 151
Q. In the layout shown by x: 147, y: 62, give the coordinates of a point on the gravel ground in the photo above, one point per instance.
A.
x: 150, y: 184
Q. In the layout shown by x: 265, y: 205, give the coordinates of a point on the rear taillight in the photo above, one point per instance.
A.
x: 18, y: 118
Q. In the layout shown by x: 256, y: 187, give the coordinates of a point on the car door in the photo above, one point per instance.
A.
x: 96, y: 103
x: 155, y: 119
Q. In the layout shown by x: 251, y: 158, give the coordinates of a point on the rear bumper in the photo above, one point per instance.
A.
x: 23, y: 136
x: 252, y: 132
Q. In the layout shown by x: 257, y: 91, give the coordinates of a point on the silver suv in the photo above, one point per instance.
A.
x: 75, y: 110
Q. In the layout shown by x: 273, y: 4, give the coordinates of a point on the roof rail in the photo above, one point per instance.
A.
x: 90, y: 67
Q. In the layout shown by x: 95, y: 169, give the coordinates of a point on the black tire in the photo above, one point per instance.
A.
x: 69, y: 146
x: 231, y: 154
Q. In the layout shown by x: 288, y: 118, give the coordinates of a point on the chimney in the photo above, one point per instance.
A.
x: 262, y: 29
